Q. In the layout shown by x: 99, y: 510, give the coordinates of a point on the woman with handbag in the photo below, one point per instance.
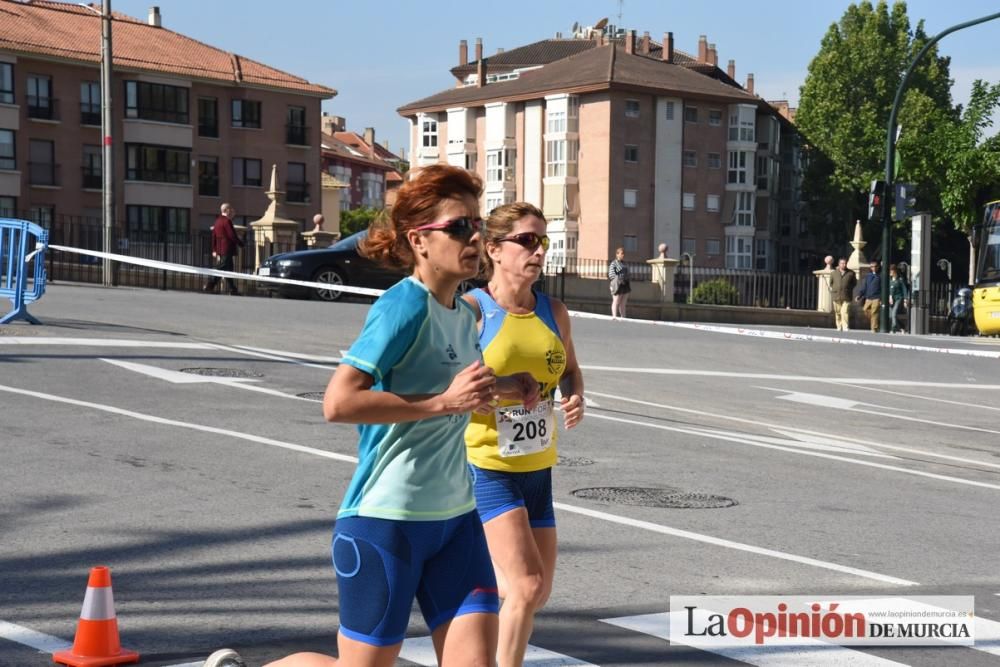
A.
x: 620, y: 288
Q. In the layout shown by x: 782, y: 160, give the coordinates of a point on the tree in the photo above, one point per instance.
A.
x: 356, y: 220
x: 845, y: 102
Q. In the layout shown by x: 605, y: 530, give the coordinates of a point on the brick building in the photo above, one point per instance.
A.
x: 370, y: 171
x: 193, y: 125
x: 624, y: 142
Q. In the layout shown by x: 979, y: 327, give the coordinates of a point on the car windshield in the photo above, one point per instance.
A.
x: 351, y: 242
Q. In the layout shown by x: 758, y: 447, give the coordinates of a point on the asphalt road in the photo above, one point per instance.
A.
x: 846, y: 469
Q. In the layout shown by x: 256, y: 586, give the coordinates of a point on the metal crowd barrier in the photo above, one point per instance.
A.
x: 19, y: 283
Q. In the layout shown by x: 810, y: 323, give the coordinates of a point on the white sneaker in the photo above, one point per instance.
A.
x: 225, y: 657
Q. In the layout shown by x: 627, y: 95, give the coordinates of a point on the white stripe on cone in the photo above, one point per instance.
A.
x: 98, y: 605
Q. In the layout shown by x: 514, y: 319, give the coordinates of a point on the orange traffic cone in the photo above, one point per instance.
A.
x: 97, y: 643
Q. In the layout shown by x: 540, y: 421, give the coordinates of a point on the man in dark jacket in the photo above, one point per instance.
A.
x: 225, y: 241
x: 842, y: 283
x: 871, y: 295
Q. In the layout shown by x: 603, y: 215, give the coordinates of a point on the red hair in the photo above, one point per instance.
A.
x: 417, y: 203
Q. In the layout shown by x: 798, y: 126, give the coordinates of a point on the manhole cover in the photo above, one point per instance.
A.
x: 223, y: 372
x: 572, y: 461
x: 650, y: 497
x: 312, y: 395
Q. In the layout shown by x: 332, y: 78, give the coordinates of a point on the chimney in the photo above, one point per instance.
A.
x: 703, y: 49
x: 154, y: 17
x: 731, y: 70
x: 463, y: 53
x: 499, y: 50
x: 713, y: 55
x: 479, y: 48
x: 749, y: 85
x: 630, y: 42
x: 370, y: 139
x: 330, y: 124
x: 668, y: 47
x: 644, y: 44
x: 480, y: 73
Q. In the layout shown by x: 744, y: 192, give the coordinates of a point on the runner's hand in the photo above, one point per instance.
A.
x: 519, y: 387
x: 572, y: 407
x: 471, y: 389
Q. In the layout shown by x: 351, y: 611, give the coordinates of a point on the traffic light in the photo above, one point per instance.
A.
x: 876, y: 200
x: 905, y: 200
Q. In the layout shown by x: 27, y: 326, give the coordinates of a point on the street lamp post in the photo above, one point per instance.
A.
x: 690, y: 262
x: 890, y: 155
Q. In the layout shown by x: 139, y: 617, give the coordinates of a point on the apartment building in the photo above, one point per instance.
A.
x: 369, y: 171
x: 193, y: 125
x: 623, y: 142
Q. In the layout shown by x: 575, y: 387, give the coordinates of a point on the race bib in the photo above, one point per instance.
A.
x: 521, y: 432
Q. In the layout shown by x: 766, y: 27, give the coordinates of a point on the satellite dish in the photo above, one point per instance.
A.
x: 575, y: 28
x: 600, y: 25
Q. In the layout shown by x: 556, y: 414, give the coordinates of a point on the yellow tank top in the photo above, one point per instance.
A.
x: 512, y: 344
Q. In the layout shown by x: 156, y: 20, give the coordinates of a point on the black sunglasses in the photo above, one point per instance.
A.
x: 529, y: 240
x: 463, y: 227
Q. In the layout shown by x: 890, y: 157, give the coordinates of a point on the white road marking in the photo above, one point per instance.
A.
x: 787, y: 429
x: 101, y: 342
x: 964, y: 404
x: 961, y: 427
x: 793, y: 378
x: 987, y: 636
x: 177, y: 377
x: 807, y: 653
x: 656, y: 528
x: 290, y: 355
x: 36, y: 640
x: 262, y: 355
x: 824, y: 400
x: 421, y: 651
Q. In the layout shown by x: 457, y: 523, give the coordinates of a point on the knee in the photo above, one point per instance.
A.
x: 530, y: 591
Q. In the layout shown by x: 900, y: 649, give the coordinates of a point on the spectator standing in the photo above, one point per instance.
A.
x: 620, y: 288
x: 871, y: 295
x: 899, y: 295
x: 225, y: 241
x: 842, y: 283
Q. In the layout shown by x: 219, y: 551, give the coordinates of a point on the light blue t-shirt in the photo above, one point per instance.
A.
x: 417, y: 470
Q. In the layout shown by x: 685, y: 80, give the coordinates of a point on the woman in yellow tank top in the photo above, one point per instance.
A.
x: 511, y: 449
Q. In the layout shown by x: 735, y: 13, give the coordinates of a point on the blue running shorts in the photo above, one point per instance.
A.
x: 382, y: 564
x: 499, y: 492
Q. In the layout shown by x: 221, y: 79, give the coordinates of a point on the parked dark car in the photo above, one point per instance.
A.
x: 340, y: 264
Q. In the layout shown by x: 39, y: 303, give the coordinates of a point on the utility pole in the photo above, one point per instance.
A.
x: 108, y: 166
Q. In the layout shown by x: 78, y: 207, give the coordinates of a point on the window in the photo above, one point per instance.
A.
x: 743, y: 214
x: 91, y: 179
x: 690, y: 114
x: 373, y: 189
x: 157, y: 164
x: 8, y: 207
x: 246, y: 172
x: 208, y: 176
x: 631, y: 108
x: 741, y: 129
x: 42, y: 215
x: 499, y: 166
x: 712, y: 247
x: 689, y: 246
x: 687, y: 201
x: 712, y: 203
x: 41, y: 162
x: 631, y: 153
x: 631, y: 198
x: 555, y: 121
x: 40, y: 102
x: 714, y: 117
x: 761, y: 254
x: 8, y: 157
x: 296, y: 132
x: 630, y: 242
x: 90, y: 103
x: 762, y: 173
x: 560, y: 158
x: 670, y: 110
x: 714, y: 161
x: 172, y: 222
x: 690, y: 159
x: 156, y: 101
x: 296, y: 188
x: 738, y: 166
x: 246, y: 114
x: 738, y: 251
x: 208, y: 117
x: 6, y: 83
x: 429, y: 133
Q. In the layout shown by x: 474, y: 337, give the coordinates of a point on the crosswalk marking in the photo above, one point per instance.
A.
x: 421, y: 651
x: 808, y: 653
x: 32, y: 638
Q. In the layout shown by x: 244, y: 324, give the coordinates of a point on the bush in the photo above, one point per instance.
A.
x: 718, y: 292
x: 356, y: 220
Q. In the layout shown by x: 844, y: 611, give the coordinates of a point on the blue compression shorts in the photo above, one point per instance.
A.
x: 383, y: 564
x: 499, y: 492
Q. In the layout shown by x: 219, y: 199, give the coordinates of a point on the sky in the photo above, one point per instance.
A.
x: 381, y: 54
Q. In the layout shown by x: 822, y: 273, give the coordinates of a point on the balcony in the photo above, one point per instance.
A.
x: 43, y: 108
x: 296, y: 135
x: 90, y: 113
x: 43, y: 173
x: 297, y: 193
x: 91, y: 178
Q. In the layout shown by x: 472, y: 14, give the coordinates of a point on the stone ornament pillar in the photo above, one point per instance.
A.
x: 663, y: 273
x: 319, y: 239
x: 275, y: 232
x: 824, y: 298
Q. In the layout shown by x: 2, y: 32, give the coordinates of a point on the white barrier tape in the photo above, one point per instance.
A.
x: 38, y: 248
x: 184, y: 268
x: 810, y: 338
